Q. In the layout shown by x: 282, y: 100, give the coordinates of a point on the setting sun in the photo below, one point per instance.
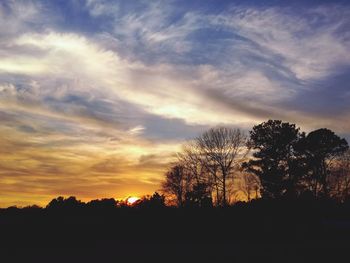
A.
x: 132, y: 199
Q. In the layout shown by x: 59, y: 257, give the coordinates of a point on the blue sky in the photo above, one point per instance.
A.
x: 101, y: 93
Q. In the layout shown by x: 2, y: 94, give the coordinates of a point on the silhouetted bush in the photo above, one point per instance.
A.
x: 102, y: 204
x: 155, y: 201
x: 61, y: 203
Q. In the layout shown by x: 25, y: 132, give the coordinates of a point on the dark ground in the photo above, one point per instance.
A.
x: 257, y: 232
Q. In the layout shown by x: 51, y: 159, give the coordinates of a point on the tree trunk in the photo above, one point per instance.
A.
x: 224, y: 203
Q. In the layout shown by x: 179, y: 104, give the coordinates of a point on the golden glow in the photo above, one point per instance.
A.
x: 132, y: 199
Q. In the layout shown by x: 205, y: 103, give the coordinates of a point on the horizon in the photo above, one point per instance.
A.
x: 96, y: 97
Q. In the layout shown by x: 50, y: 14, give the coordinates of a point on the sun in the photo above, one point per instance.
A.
x: 132, y: 199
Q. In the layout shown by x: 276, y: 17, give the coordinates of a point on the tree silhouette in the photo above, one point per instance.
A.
x: 102, y: 204
x: 199, y: 196
x: 274, y: 158
x: 340, y: 177
x: 249, y: 185
x: 177, y: 183
x: 70, y: 203
x: 205, y: 168
x: 194, y: 165
x: 222, y: 150
x: 320, y: 149
x: 155, y: 201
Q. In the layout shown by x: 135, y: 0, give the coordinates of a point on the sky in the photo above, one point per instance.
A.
x: 97, y: 96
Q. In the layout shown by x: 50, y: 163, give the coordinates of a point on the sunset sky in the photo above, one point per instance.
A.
x: 96, y: 96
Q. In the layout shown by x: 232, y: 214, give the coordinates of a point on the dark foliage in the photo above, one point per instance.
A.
x: 69, y: 203
x: 199, y: 196
x: 288, y: 230
x: 273, y: 144
x: 102, y: 204
x: 317, y: 151
x: 289, y: 162
x: 156, y: 201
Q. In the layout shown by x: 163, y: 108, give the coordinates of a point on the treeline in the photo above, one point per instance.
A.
x: 71, y: 203
x: 223, y: 166
x: 275, y: 161
x: 149, y: 201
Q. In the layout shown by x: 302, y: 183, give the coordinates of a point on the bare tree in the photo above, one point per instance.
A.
x: 176, y: 183
x: 249, y: 185
x: 340, y: 177
x: 192, y: 163
x: 222, y: 149
x: 199, y: 171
